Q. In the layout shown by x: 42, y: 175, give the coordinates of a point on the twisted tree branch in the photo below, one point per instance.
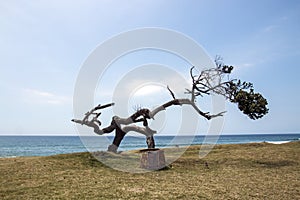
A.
x: 208, y: 81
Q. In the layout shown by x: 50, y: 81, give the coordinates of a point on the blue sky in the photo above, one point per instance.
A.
x: 44, y: 43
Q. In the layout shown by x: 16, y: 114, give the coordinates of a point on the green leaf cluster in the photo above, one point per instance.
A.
x: 254, y: 105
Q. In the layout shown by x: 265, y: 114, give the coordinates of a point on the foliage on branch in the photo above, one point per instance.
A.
x: 252, y: 104
x: 216, y: 80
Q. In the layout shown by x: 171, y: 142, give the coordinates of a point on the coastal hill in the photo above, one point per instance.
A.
x: 238, y: 171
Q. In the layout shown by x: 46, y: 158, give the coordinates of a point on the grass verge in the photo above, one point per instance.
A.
x: 239, y: 171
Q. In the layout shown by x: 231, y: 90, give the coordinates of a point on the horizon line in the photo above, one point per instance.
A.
x: 111, y: 135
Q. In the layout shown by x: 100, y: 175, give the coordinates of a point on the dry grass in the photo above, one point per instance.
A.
x: 247, y: 171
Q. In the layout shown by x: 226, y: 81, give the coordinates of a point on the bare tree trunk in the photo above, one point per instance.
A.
x: 150, y: 142
x: 141, y: 115
x: 117, y: 140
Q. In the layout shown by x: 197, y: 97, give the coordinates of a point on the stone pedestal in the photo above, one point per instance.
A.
x: 152, y: 159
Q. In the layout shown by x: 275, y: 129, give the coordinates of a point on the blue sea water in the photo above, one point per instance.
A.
x: 15, y: 146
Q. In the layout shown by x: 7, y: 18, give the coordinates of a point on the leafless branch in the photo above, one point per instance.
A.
x: 172, y: 94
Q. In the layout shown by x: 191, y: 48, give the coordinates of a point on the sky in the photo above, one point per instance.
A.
x: 43, y: 45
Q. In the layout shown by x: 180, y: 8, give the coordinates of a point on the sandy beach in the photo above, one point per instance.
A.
x: 239, y: 171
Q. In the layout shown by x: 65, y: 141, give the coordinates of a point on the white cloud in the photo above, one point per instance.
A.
x: 270, y: 28
x: 238, y: 67
x: 42, y: 97
x: 246, y: 65
x: 148, y: 90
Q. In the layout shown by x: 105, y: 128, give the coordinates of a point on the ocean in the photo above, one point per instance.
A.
x: 16, y: 146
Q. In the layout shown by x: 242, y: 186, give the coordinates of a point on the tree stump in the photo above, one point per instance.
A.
x: 152, y: 159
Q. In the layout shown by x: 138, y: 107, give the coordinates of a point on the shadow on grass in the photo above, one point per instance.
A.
x: 275, y: 164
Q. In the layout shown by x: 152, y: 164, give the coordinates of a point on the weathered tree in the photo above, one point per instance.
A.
x: 214, y: 80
